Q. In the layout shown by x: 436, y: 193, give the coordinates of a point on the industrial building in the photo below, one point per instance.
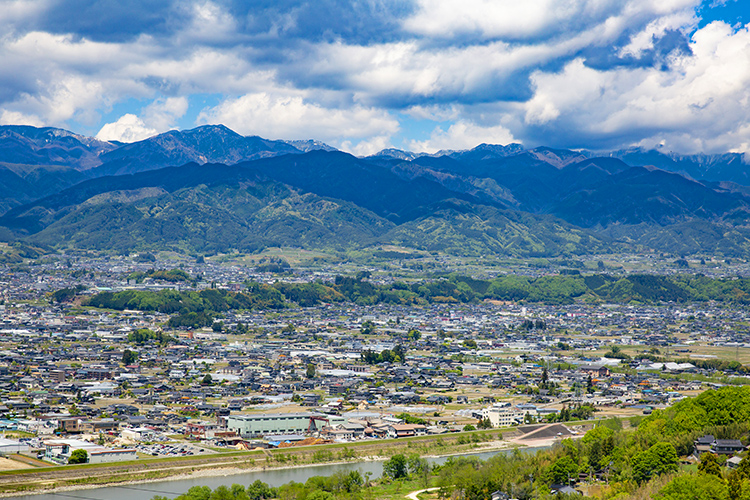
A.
x: 277, y: 423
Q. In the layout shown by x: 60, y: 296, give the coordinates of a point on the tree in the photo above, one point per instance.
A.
x: 207, y: 380
x: 368, y: 328
x: 694, y: 487
x: 78, y: 457
x: 734, y: 485
x: 419, y: 468
x: 414, y: 334
x: 310, y: 371
x: 562, y: 470
x: 396, y: 467
x: 744, y: 469
x: 417, y: 465
x: 710, y: 464
x: 659, y: 459
x: 260, y: 491
x: 129, y: 357
x: 320, y: 495
x: 485, y: 423
x: 223, y: 493
x: 400, y: 352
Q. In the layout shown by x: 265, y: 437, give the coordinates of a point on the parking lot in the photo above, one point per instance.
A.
x: 170, y: 450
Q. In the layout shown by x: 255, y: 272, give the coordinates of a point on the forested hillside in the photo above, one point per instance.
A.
x: 450, y: 289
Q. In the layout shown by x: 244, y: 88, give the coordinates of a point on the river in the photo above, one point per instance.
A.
x: 274, y: 477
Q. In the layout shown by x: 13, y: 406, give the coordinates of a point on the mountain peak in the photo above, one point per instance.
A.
x: 310, y: 145
x: 398, y: 154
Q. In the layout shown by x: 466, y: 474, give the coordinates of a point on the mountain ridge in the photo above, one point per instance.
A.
x: 489, y: 199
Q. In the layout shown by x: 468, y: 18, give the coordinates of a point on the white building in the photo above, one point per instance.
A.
x: 138, y: 434
x: 502, y: 414
x: 59, y: 450
x: 8, y: 446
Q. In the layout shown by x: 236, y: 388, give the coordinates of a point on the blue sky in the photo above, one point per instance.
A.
x: 365, y: 75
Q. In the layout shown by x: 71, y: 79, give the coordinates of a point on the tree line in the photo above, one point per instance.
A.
x: 559, y: 289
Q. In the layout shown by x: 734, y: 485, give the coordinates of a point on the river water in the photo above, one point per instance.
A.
x: 275, y: 477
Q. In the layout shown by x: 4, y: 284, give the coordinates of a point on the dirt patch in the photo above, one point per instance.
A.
x: 8, y: 464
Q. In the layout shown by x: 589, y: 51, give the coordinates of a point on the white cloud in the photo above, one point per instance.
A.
x: 511, y: 19
x: 700, y: 103
x: 366, y: 147
x: 162, y: 114
x: 290, y: 116
x: 684, y: 21
x: 448, y: 62
x: 208, y: 23
x: 406, y: 69
x: 415, y: 69
x: 437, y: 113
x: 17, y: 11
x: 63, y: 98
x: 463, y: 135
x: 129, y: 128
x: 16, y: 118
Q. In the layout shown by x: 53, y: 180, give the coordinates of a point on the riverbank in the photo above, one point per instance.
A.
x: 69, y: 478
x: 39, y: 481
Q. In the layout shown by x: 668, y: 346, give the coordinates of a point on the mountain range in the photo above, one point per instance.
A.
x: 210, y: 189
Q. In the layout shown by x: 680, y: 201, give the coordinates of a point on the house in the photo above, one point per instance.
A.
x: 703, y: 445
x: 595, y: 370
x: 500, y: 495
x: 438, y: 399
x: 563, y: 490
x: 406, y: 430
x: 734, y: 462
x: 727, y: 446
x: 70, y: 425
x: 709, y: 444
x: 95, y: 426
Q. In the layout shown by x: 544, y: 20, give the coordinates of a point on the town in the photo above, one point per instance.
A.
x: 86, y: 384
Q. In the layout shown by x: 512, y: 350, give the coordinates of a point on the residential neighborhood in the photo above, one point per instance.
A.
x: 80, y: 378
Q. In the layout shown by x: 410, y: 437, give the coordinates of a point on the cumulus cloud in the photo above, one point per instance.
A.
x: 162, y: 114
x: 367, y: 147
x: 295, y: 117
x: 463, y: 135
x: 159, y: 116
x: 533, y: 19
x: 698, y: 104
x: 575, y: 73
x: 129, y: 128
x: 17, y: 118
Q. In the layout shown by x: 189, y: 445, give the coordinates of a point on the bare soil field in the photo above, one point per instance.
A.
x: 8, y: 464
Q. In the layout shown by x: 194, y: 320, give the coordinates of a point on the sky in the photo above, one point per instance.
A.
x: 364, y: 75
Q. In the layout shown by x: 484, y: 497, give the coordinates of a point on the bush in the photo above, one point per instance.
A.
x: 78, y: 457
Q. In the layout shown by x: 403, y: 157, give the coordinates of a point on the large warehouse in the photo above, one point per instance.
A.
x: 276, y: 423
